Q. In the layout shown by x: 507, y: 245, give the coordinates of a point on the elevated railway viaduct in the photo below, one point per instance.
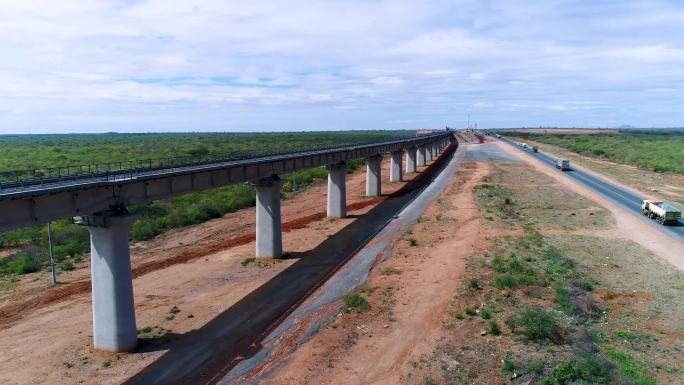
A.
x: 99, y: 200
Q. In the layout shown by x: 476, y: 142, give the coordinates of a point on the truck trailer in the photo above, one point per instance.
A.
x: 563, y: 164
x: 664, y: 213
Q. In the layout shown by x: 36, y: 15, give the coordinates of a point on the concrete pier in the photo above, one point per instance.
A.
x: 421, y: 156
x: 373, y: 179
x: 395, y: 166
x: 428, y: 153
x: 337, y: 190
x: 269, y: 242
x: 411, y: 160
x: 112, y: 282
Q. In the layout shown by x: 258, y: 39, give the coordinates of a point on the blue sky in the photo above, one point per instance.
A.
x: 161, y: 65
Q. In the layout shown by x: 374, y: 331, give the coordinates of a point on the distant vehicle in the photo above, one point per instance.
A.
x: 535, y: 149
x: 524, y: 145
x: 498, y: 136
x: 664, y: 213
x: 563, y: 164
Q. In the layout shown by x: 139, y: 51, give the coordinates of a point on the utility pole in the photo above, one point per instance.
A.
x: 52, y: 257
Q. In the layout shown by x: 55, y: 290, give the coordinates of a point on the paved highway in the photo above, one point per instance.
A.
x: 610, y: 191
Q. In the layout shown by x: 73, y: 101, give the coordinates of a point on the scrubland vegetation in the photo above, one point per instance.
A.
x: 661, y: 151
x: 553, y: 302
x: 28, y: 251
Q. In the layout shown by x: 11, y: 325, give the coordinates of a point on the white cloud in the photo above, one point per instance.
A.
x: 162, y: 65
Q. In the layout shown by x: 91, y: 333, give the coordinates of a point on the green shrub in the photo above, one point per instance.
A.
x: 472, y: 285
x: 539, y: 325
x: 66, y: 266
x: 591, y: 368
x: 535, y: 367
x: 631, y: 369
x: 494, y: 328
x: 353, y: 301
x: 564, y: 300
x: 471, y: 312
x: 508, y: 364
x: 24, y: 265
x: 247, y: 261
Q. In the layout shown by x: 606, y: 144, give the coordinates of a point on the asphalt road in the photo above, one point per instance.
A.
x: 626, y: 199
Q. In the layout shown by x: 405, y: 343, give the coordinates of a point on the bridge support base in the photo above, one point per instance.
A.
x: 373, y: 180
x: 269, y: 241
x: 337, y: 190
x: 395, y: 166
x: 112, y: 284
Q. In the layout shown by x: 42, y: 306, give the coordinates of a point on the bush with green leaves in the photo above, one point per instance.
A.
x: 537, y: 324
x: 355, y: 302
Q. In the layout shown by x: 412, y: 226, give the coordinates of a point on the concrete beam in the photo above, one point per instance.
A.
x: 411, y: 160
x: 395, y: 166
x: 373, y: 178
x: 421, y: 156
x: 269, y: 240
x: 112, y: 282
x: 337, y: 190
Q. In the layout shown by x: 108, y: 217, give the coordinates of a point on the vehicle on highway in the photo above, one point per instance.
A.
x: 535, y: 149
x: 498, y: 136
x: 563, y: 164
x: 664, y: 213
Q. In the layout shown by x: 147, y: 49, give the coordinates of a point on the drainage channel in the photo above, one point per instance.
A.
x: 320, y: 308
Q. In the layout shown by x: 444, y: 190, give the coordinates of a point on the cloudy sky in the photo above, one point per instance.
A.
x: 161, y: 65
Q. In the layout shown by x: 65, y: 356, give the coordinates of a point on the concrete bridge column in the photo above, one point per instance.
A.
x: 269, y: 241
x: 421, y: 156
x: 337, y: 190
x: 112, y: 282
x: 411, y: 160
x: 434, y: 150
x: 373, y: 180
x: 395, y: 166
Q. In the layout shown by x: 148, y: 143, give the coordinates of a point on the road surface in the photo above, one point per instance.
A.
x: 626, y: 199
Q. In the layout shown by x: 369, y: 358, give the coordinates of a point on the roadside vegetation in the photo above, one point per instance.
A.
x: 660, y: 151
x: 26, y: 249
x: 556, y: 309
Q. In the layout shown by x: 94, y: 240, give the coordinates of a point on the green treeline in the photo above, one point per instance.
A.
x: 661, y: 151
x: 20, y: 152
x: 29, y: 251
